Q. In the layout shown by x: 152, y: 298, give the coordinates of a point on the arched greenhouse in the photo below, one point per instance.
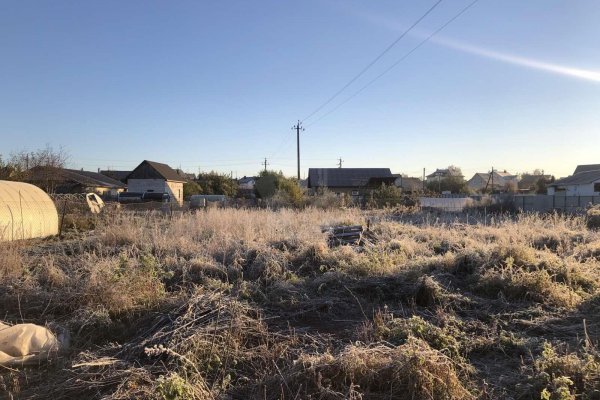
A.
x: 26, y: 212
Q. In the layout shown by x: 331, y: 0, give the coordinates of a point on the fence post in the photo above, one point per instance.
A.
x: 62, y: 218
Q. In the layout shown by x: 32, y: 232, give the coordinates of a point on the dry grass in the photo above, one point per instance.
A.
x: 410, y: 371
x: 255, y: 304
x: 11, y: 264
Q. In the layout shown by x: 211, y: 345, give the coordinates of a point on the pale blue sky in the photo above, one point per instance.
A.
x: 218, y: 84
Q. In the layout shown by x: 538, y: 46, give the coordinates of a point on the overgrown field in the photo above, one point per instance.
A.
x: 254, y: 304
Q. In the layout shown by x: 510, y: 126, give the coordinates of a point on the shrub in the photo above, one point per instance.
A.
x: 190, y: 189
x: 593, y: 218
x: 398, y: 331
x: 564, y: 377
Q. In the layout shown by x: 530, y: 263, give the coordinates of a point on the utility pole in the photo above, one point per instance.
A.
x: 265, y: 163
x: 298, y: 127
x: 492, y: 180
x: 423, y: 179
x: 340, y: 161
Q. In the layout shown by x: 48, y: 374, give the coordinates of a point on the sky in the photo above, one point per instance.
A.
x: 218, y: 85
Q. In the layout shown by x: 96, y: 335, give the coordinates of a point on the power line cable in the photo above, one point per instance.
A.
x: 405, y: 56
x: 387, y: 49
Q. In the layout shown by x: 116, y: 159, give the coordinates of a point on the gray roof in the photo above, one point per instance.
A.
x: 439, y: 172
x: 155, y: 170
x: 586, y: 168
x: 581, y: 178
x: 345, y: 177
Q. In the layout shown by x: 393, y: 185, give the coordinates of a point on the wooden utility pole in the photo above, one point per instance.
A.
x: 492, y: 180
x: 340, y: 161
x: 265, y: 163
x: 298, y: 127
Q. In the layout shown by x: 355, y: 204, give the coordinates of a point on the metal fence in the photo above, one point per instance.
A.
x: 545, y: 203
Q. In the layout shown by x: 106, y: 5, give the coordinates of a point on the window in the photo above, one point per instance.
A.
x: 597, y: 187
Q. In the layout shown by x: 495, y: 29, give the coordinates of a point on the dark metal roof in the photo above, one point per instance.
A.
x: 345, y: 177
x: 580, y: 178
x: 94, y: 178
x: 117, y: 175
x: 84, y: 178
x: 155, y: 170
x: 586, y: 168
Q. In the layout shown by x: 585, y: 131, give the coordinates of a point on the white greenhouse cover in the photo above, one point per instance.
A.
x: 26, y: 212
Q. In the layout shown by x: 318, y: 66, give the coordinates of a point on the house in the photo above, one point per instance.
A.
x: 116, y: 175
x: 497, y: 181
x: 511, y: 180
x: 438, y: 174
x: 355, y: 182
x: 246, y: 186
x: 63, y: 180
x: 247, y: 183
x: 151, y: 176
x: 407, y: 184
x: 585, y: 181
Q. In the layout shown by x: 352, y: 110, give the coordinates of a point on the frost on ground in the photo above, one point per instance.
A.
x: 242, y: 304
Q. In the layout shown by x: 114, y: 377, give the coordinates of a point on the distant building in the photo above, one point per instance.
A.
x: 438, y: 174
x: 63, y: 180
x: 151, y: 176
x: 247, y: 182
x: 354, y: 182
x: 498, y: 181
x: 246, y: 186
x: 407, y: 184
x: 585, y: 181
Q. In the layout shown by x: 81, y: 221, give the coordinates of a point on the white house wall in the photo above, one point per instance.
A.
x: 174, y: 189
x: 574, y: 190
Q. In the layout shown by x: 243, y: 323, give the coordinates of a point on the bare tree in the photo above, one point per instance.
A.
x: 40, y: 167
x: 453, y: 170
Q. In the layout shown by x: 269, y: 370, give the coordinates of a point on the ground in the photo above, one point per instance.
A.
x: 239, y: 304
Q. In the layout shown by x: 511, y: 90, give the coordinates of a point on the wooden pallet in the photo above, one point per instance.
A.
x: 345, y: 235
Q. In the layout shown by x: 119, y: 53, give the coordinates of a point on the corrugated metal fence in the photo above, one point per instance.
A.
x: 545, y: 203
x: 526, y: 203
